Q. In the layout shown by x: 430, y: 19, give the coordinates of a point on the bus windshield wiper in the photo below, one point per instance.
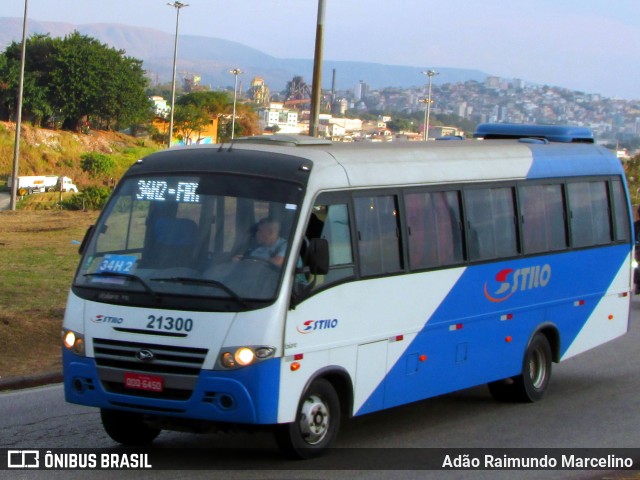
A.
x: 130, y: 276
x: 201, y: 281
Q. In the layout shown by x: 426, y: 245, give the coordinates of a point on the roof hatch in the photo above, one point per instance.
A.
x: 552, y: 133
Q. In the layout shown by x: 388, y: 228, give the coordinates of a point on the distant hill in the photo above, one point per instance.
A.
x: 212, y: 58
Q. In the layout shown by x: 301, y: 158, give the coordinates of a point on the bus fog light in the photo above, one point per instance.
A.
x: 226, y: 401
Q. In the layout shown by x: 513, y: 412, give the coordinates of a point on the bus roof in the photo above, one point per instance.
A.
x: 360, y: 164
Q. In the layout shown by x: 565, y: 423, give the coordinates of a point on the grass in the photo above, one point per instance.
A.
x: 38, y: 254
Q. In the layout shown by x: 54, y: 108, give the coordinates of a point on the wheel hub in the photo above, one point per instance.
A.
x: 537, y: 369
x: 314, y: 420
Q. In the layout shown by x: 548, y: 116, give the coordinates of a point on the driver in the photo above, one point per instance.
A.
x: 270, y: 246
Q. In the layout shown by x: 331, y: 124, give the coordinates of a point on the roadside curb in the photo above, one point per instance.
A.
x: 29, y: 381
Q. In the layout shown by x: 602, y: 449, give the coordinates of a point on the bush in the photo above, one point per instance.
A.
x: 97, y: 164
x: 91, y: 198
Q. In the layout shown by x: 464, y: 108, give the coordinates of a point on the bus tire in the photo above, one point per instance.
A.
x: 127, y: 428
x: 531, y: 385
x: 316, y: 425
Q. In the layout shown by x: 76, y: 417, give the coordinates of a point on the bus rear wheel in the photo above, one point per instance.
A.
x: 316, y: 425
x: 532, y: 383
x: 127, y: 428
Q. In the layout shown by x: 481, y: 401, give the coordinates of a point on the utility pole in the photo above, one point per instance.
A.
x: 316, y: 89
x: 16, y: 146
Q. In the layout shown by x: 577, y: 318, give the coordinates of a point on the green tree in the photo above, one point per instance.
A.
x: 220, y: 104
x: 72, y: 80
x: 401, y: 125
x: 246, y: 121
x: 189, y: 119
x: 124, y: 101
x: 36, y: 104
x: 215, y: 103
x: 89, y: 79
x: 77, y: 79
x: 92, y: 79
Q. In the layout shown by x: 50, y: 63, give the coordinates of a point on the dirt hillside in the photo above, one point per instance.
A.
x: 57, y: 152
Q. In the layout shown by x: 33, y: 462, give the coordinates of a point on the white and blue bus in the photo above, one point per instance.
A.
x: 290, y: 282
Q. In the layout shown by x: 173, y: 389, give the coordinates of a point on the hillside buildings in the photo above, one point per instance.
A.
x: 494, y: 100
x: 277, y: 118
x: 514, y: 101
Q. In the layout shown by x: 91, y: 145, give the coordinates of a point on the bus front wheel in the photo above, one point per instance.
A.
x: 532, y: 383
x: 316, y: 425
x: 127, y: 428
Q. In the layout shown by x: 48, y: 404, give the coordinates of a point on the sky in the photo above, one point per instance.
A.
x: 587, y: 45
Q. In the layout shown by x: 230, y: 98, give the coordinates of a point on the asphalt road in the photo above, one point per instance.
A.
x: 593, y: 402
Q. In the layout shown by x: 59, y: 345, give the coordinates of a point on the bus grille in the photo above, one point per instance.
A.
x: 179, y: 366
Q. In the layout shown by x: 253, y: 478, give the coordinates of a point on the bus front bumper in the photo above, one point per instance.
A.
x: 245, y: 396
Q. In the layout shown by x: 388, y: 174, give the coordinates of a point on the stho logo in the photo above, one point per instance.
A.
x: 310, y: 325
x: 509, y: 281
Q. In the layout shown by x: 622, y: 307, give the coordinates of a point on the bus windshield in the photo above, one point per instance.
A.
x: 206, y: 236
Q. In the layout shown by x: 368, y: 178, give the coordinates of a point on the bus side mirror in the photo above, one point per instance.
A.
x: 317, y: 258
x: 86, y: 238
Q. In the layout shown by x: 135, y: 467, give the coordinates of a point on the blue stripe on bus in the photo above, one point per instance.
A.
x: 560, y: 160
x: 464, y: 342
x: 253, y: 392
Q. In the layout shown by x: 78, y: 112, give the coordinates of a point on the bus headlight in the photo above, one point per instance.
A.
x: 244, y: 356
x: 236, y: 357
x: 73, y: 341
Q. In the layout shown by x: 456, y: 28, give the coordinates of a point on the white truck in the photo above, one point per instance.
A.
x: 29, y: 184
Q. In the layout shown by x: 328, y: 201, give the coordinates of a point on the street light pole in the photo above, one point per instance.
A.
x: 426, y: 106
x: 177, y: 6
x: 16, y: 146
x: 427, y: 112
x: 235, y: 72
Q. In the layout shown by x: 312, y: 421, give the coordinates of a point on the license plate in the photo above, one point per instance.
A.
x: 140, y: 381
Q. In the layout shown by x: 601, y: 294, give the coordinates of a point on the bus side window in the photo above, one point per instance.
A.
x: 543, y: 227
x: 590, y: 223
x: 433, y: 220
x: 491, y: 223
x: 621, y: 211
x: 378, y: 235
x: 331, y: 222
x: 337, y: 232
